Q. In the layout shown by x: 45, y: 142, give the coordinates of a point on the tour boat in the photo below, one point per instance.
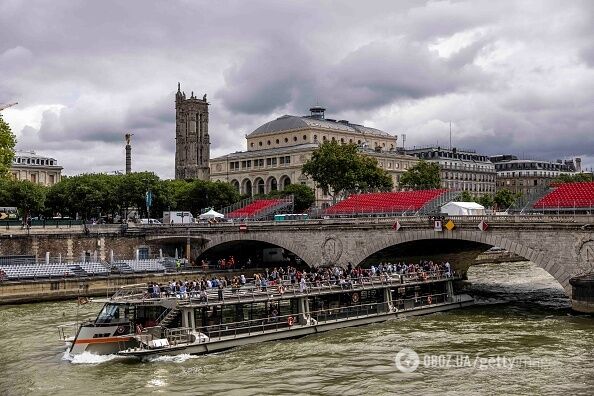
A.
x: 138, y: 322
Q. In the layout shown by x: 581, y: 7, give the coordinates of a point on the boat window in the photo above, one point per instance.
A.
x: 113, y: 313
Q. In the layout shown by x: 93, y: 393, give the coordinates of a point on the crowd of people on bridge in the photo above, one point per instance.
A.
x: 300, y: 280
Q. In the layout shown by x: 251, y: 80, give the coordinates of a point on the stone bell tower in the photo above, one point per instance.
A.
x: 192, y: 142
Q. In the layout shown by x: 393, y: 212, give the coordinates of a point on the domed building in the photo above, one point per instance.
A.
x: 277, y: 150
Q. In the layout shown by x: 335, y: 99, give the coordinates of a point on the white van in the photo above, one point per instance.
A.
x: 178, y: 217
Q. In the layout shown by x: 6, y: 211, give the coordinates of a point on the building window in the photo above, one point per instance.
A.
x: 252, y: 144
x: 294, y: 138
x: 304, y: 137
x: 259, y: 143
x: 277, y: 141
x: 286, y: 140
x: 268, y: 142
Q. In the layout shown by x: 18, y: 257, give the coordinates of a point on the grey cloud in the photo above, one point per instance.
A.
x: 112, y: 67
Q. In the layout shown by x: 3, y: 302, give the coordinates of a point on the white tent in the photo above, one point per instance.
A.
x: 211, y: 214
x: 463, y: 209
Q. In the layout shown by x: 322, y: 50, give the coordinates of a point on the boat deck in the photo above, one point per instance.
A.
x: 221, y: 337
x: 284, y: 290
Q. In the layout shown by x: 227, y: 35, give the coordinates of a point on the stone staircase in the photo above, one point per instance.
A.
x: 122, y: 268
x: 78, y: 271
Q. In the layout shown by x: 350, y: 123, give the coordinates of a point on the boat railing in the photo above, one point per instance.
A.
x: 178, y: 335
x: 67, y: 331
x: 322, y: 316
x: 286, y: 288
x: 138, y: 290
x: 280, y: 288
x: 174, y: 336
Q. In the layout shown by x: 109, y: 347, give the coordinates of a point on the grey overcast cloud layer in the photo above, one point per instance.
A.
x: 511, y: 76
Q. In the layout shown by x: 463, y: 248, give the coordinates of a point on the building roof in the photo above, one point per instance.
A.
x: 303, y: 147
x: 267, y: 152
x: 30, y: 154
x: 290, y: 122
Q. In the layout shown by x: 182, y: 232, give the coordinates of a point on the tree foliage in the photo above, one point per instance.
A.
x: 579, y: 177
x: 423, y: 175
x: 7, y: 143
x: 486, y: 200
x: 28, y: 197
x: 303, y: 196
x: 340, y: 169
x: 467, y: 197
x: 504, y: 198
x: 97, y: 195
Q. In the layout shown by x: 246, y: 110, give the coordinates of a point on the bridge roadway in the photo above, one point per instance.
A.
x: 563, y: 245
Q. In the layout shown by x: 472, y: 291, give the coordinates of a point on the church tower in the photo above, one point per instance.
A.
x: 192, y: 143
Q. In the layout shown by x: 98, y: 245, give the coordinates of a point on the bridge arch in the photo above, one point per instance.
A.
x: 305, y: 255
x: 538, y: 257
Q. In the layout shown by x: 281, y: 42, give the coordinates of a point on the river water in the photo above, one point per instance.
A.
x: 521, y: 338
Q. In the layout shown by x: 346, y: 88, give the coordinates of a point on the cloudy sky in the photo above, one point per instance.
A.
x: 511, y: 76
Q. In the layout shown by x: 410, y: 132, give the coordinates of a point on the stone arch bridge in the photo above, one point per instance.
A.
x: 561, y: 245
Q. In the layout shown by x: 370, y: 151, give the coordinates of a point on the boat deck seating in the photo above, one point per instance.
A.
x: 568, y: 195
x: 387, y: 202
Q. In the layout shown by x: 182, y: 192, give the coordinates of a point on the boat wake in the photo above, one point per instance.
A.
x: 169, y: 359
x: 87, y: 358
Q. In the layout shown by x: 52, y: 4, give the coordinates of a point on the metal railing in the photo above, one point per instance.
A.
x: 283, y: 289
x: 273, y: 323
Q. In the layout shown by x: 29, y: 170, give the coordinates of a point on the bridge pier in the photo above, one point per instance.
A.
x: 582, y: 296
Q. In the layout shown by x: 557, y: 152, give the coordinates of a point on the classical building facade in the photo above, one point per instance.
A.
x: 462, y: 170
x: 192, y: 142
x: 27, y: 165
x: 277, y: 150
x: 531, y: 176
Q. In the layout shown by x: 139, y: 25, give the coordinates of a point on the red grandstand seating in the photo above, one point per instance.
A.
x: 385, y: 202
x: 568, y: 195
x: 254, y: 208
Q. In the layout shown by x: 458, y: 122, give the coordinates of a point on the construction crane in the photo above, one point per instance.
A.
x: 6, y: 106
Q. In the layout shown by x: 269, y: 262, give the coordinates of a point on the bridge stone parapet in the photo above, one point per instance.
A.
x: 561, y: 245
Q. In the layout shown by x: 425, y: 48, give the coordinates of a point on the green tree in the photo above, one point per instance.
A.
x: 504, y: 198
x: 579, y: 177
x: 303, y: 196
x: 340, y: 168
x: 28, y: 197
x: 486, y: 200
x: 131, y: 191
x: 424, y: 175
x: 466, y: 197
x: 7, y: 143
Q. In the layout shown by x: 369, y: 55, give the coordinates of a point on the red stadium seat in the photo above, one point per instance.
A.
x: 254, y: 208
x: 568, y: 195
x: 388, y: 202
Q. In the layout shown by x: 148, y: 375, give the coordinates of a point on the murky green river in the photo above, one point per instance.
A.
x: 519, y: 339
